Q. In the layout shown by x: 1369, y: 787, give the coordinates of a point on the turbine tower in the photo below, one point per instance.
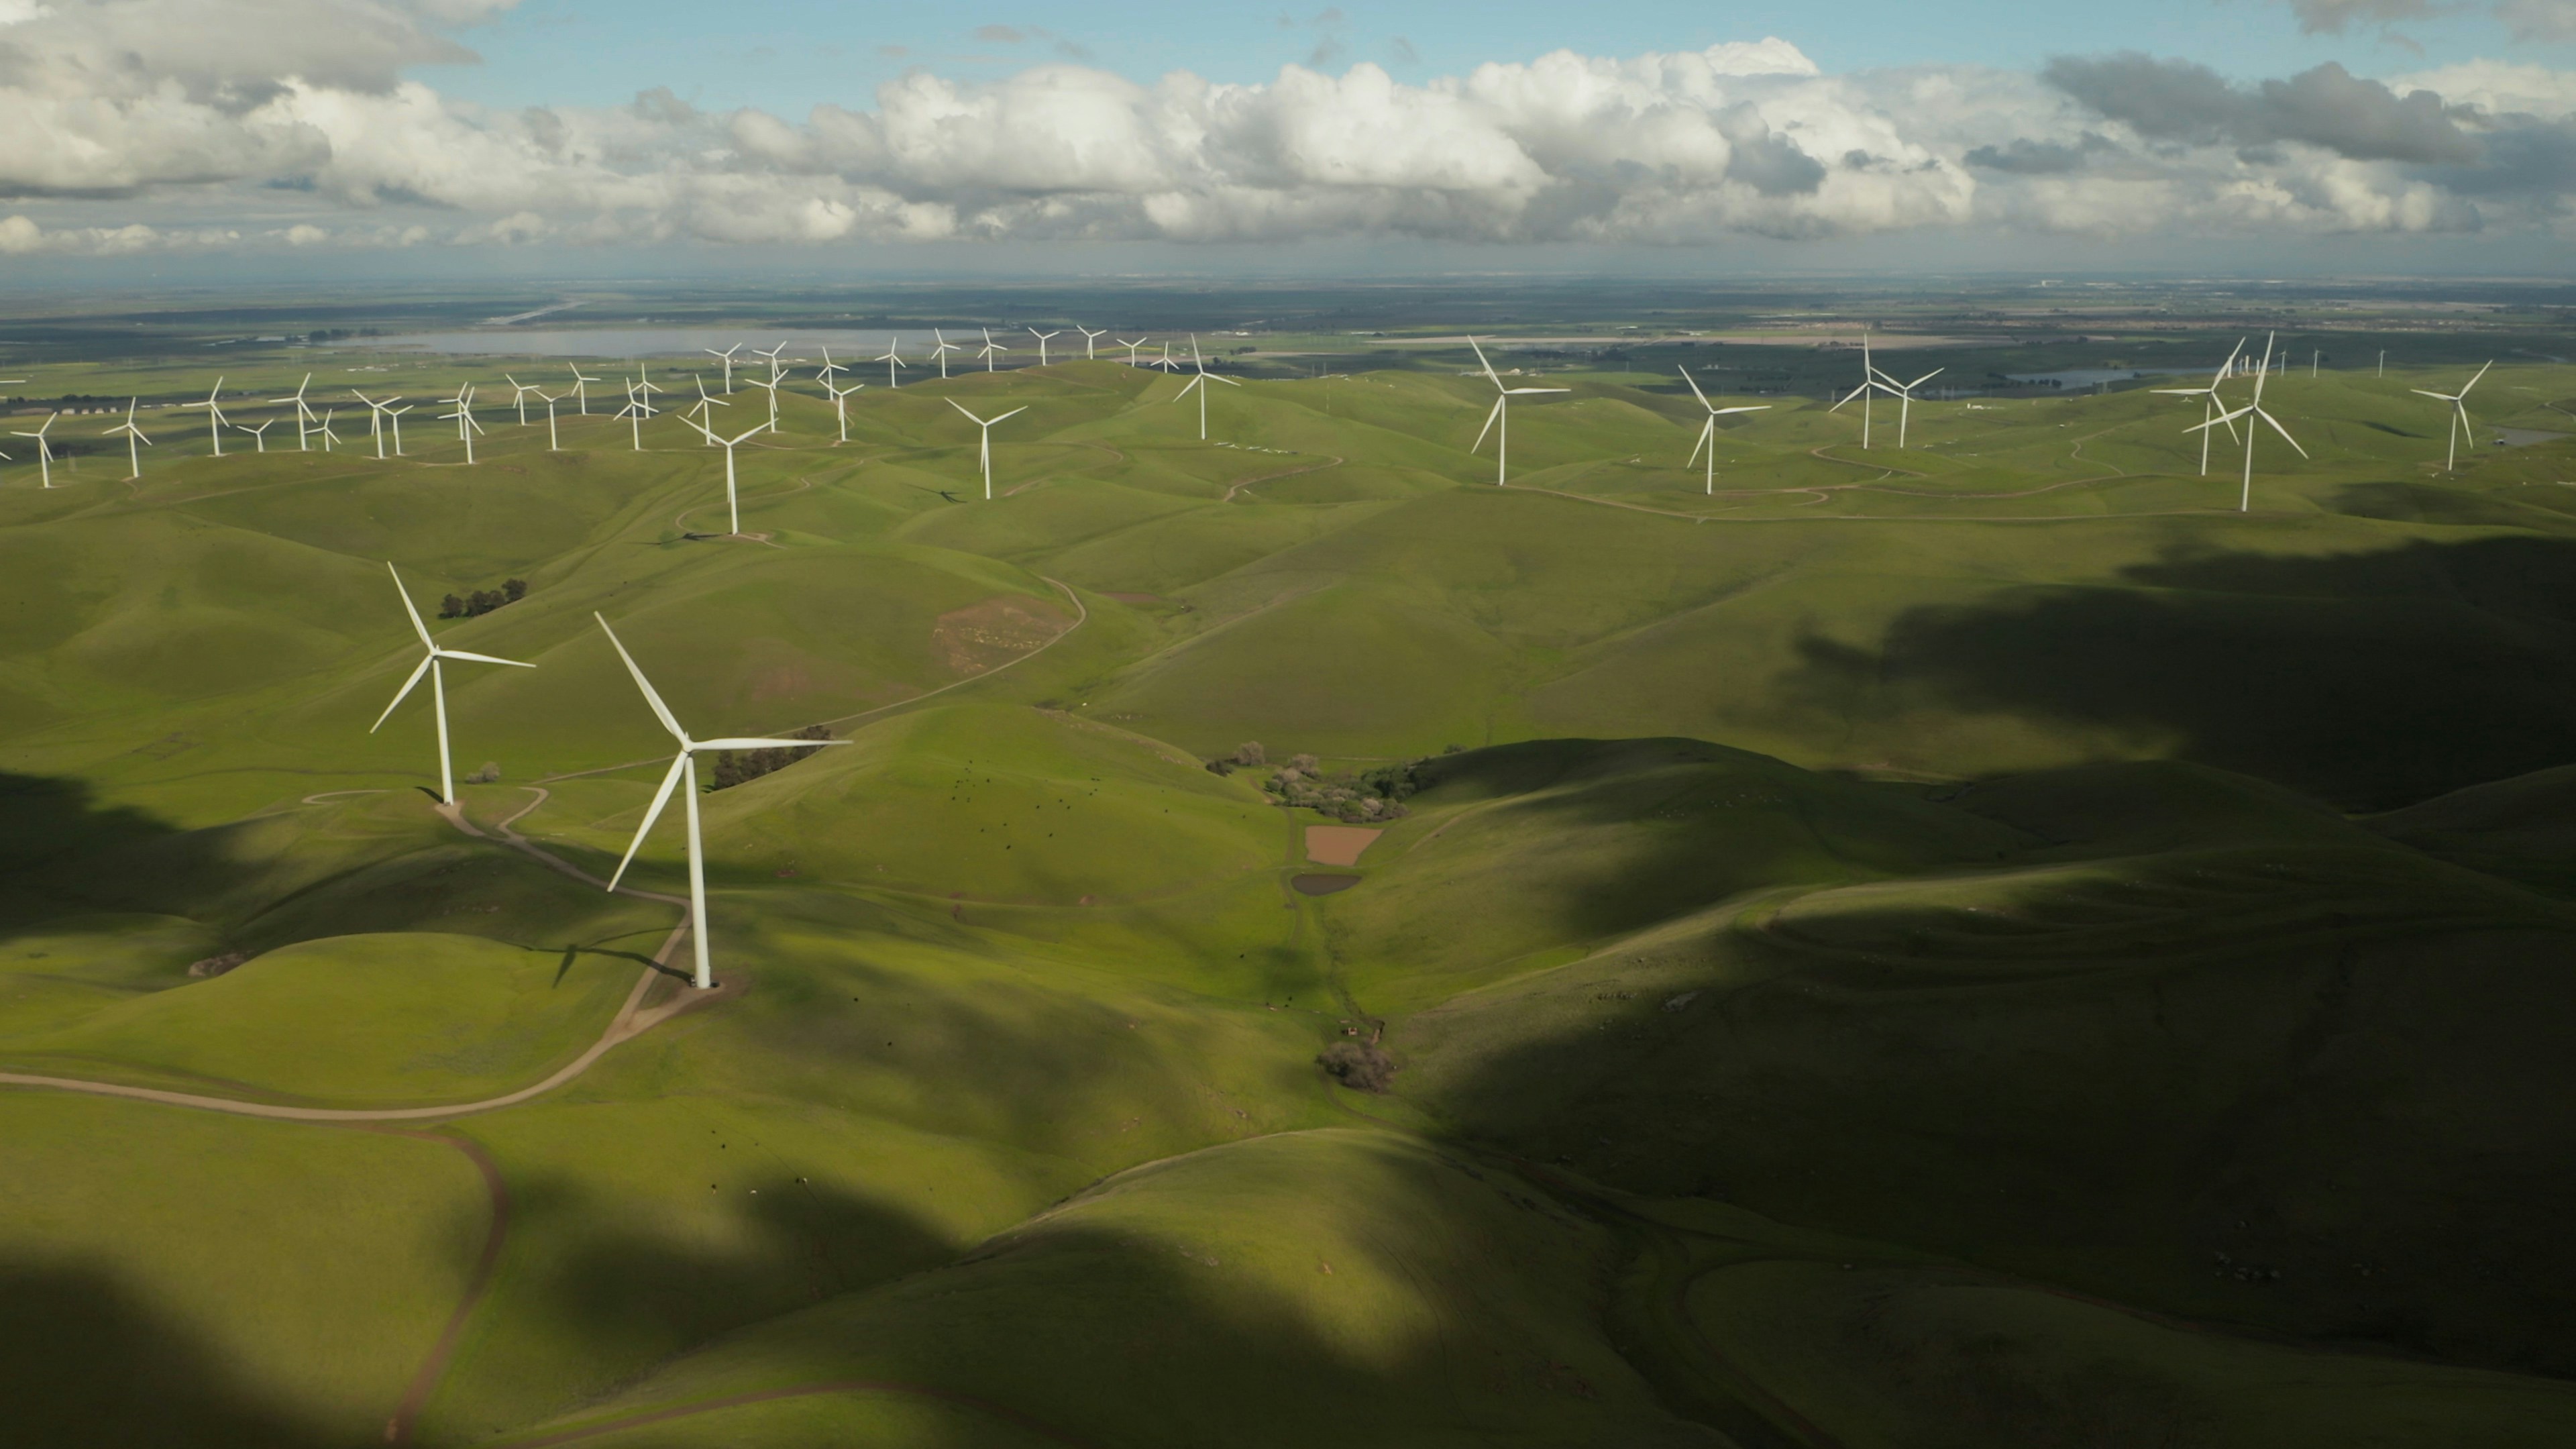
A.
x: 437, y: 686
x: 684, y: 767
x: 2210, y: 406
x: 732, y: 507
x: 1199, y: 384
x: 2459, y: 402
x: 214, y: 415
x: 1502, y: 401
x: 2254, y: 409
x: 44, y: 449
x: 1708, y: 430
x: 135, y: 442
x: 985, y: 453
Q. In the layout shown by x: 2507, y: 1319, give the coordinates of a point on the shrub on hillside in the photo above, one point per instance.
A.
x: 482, y: 601
x: 1359, y: 1065
x: 1364, y: 798
x: 741, y: 767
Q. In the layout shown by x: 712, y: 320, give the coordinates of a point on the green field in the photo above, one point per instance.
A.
x: 1977, y: 944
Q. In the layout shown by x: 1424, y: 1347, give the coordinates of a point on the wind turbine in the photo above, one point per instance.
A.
x: 1089, y: 337
x: 554, y: 441
x: 466, y: 427
x: 580, y: 389
x: 1905, y: 398
x: 303, y: 411
x: 1042, y: 342
x: 727, y: 357
x: 684, y: 767
x: 992, y: 352
x: 633, y: 412
x: 941, y: 349
x: 135, y: 442
x: 1131, y: 348
x: 437, y: 686
x: 829, y: 367
x: 1199, y: 384
x: 1872, y: 381
x: 1165, y: 361
x: 1502, y: 400
x: 214, y: 415
x: 376, y: 417
x: 519, y: 396
x: 258, y: 435
x: 841, y: 407
x: 986, y: 453
x: 393, y: 415
x: 44, y: 449
x: 2210, y: 405
x: 324, y: 428
x: 733, y: 508
x: 893, y: 360
x: 645, y: 387
x: 770, y: 386
x: 2254, y: 409
x: 1708, y: 430
x: 706, y: 409
x: 2459, y: 416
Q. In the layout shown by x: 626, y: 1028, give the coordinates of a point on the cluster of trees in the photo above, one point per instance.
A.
x: 339, y: 334
x: 1358, y: 798
x: 741, y: 767
x: 483, y: 601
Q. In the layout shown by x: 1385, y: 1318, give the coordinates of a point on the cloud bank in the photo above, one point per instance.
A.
x: 304, y: 115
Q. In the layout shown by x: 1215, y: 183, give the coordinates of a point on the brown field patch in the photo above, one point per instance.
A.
x: 1338, y: 844
x: 983, y: 637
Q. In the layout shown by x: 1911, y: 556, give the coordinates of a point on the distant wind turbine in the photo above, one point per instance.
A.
x: 437, y: 686
x: 393, y: 415
x: 985, y: 453
x: 992, y: 350
x: 1131, y: 348
x: 1199, y: 384
x: 376, y: 417
x: 1872, y: 382
x: 940, y: 349
x: 1042, y: 338
x: 633, y: 412
x: 705, y: 409
x: 518, y: 396
x: 324, y: 428
x: 2460, y: 425
x: 893, y: 359
x: 1501, y: 414
x: 1708, y: 430
x: 2210, y: 406
x: 1088, y: 338
x: 727, y: 357
x: 135, y: 442
x: 829, y: 368
x: 2254, y: 409
x: 1905, y: 398
x: 44, y: 449
x: 768, y: 385
x: 303, y: 410
x: 214, y: 414
x: 841, y: 407
x: 258, y: 435
x: 463, y: 417
x: 581, y: 389
x: 733, y: 507
x: 684, y: 769
x: 554, y: 440
x: 645, y: 387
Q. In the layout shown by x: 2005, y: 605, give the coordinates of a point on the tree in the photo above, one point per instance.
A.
x: 451, y: 607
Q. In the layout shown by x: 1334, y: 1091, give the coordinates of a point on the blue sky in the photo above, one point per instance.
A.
x: 784, y: 55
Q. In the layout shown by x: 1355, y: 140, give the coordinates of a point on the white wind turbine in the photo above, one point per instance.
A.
x: 1501, y: 414
x: 437, y: 686
x: 733, y: 508
x: 376, y: 417
x: 258, y: 435
x: 1088, y: 338
x: 135, y: 442
x: 44, y: 449
x: 1131, y: 348
x: 303, y: 410
x: 768, y: 385
x: 324, y: 428
x: 940, y: 349
x: 554, y: 440
x: 463, y: 417
x: 705, y: 409
x: 992, y: 351
x: 1872, y: 382
x: 894, y: 359
x: 985, y: 455
x: 727, y: 357
x: 633, y: 412
x: 519, y: 396
x: 393, y: 417
x: 645, y: 387
x: 829, y: 368
x: 1042, y: 338
x: 581, y: 389
x: 2459, y: 402
x: 214, y: 415
x: 1905, y: 398
x: 2253, y: 409
x: 1165, y: 361
x: 1708, y: 430
x: 2210, y: 406
x: 684, y: 768
x: 841, y: 407
x: 1199, y: 384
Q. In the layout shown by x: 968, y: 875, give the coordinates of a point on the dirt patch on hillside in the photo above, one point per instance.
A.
x: 986, y: 636
x: 1338, y: 844
x: 1322, y: 885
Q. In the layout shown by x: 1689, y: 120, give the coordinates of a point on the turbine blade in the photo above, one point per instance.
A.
x: 751, y: 744
x: 2284, y: 432
x: 417, y: 626
x: 483, y: 658
x: 403, y: 693
x: 661, y: 711
x: 961, y: 407
x: 1927, y: 377
x: 2473, y: 382
x: 1489, y: 422
x: 1694, y: 386
x: 1487, y: 366
x: 1013, y: 413
x: 661, y: 798
x: 1707, y: 439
